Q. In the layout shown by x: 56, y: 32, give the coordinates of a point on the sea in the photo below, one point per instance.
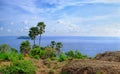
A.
x: 86, y: 45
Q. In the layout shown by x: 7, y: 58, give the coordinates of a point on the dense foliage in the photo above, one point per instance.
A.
x: 62, y: 57
x: 75, y: 54
x: 25, y: 47
x: 11, y: 56
x: 42, y: 53
x: 33, y: 32
x: 18, y: 67
x: 4, y: 48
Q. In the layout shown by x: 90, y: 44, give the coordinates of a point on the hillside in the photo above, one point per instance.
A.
x: 91, y: 67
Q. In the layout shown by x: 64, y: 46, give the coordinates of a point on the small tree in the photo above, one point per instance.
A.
x: 4, y: 48
x: 25, y: 47
x: 70, y: 54
x: 14, y: 50
x: 41, y: 30
x: 58, y: 47
x: 53, y: 43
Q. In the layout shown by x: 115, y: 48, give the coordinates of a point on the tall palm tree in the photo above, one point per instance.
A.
x: 33, y: 32
x: 41, y: 30
x: 58, y: 47
x: 53, y: 43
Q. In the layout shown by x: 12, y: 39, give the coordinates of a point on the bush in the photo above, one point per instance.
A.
x: 70, y: 54
x: 11, y: 56
x: 42, y: 53
x: 4, y: 48
x: 25, y: 47
x: 62, y: 57
x: 75, y: 54
x: 14, y: 50
x: 78, y: 55
x: 19, y: 67
x: 15, y: 56
x: 4, y: 56
x: 35, y: 53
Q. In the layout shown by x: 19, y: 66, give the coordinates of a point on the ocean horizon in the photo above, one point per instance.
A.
x: 88, y: 45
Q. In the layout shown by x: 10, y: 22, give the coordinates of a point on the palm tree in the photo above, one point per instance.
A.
x: 52, y: 44
x: 58, y: 47
x: 41, y: 30
x: 33, y: 32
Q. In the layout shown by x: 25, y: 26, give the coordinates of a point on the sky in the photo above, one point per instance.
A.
x: 62, y: 17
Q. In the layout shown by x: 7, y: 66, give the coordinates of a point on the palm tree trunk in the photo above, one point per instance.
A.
x: 40, y: 40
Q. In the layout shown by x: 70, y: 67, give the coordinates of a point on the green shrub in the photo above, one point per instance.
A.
x: 78, y: 55
x: 25, y: 47
x: 62, y: 57
x: 4, y: 48
x: 35, y: 53
x: 14, y: 50
x: 70, y: 54
x: 4, y: 56
x: 15, y: 56
x: 19, y: 67
x: 75, y: 54
x: 42, y: 53
x: 11, y: 56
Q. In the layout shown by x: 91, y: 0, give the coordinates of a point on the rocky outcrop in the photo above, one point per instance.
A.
x: 109, y: 56
x: 91, y: 67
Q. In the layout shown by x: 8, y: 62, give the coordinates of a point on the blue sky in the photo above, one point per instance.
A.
x: 62, y: 17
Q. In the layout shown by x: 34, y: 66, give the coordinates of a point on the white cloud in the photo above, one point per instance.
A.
x: 69, y: 26
x: 30, y: 5
x: 11, y: 23
x: 26, y: 22
x: 9, y: 30
x: 105, y: 1
x: 104, y: 30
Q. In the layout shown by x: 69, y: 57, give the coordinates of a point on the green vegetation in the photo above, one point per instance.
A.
x: 52, y: 44
x: 18, y: 64
x: 42, y: 53
x: 75, y: 54
x: 62, y: 57
x: 14, y: 50
x: 25, y: 47
x: 19, y: 67
x: 33, y: 32
x: 41, y: 30
x: 4, y: 56
x: 58, y: 47
x: 4, y: 48
x: 11, y: 56
x: 15, y: 56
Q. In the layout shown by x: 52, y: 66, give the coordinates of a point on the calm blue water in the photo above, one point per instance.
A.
x: 86, y: 45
